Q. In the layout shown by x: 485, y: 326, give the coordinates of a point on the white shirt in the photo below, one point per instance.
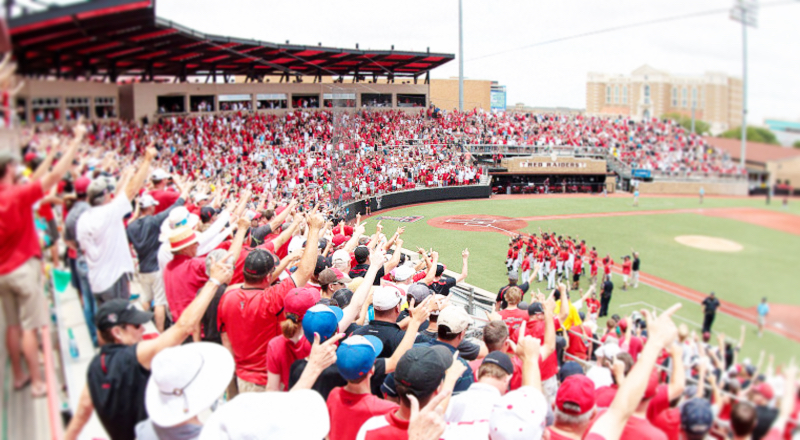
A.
x: 101, y: 235
x: 207, y: 240
x: 473, y: 405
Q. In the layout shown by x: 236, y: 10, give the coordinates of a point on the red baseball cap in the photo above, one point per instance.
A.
x: 575, y: 395
x: 30, y: 156
x: 339, y: 239
x: 299, y: 300
x: 82, y: 184
x: 765, y: 390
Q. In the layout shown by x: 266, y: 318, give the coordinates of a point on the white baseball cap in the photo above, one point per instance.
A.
x: 178, y: 217
x: 402, y: 273
x: 160, y: 174
x: 340, y: 255
x: 147, y: 201
x: 386, y: 298
x: 520, y: 414
x: 455, y: 318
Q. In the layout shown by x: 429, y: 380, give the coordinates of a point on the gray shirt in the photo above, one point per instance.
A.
x: 147, y: 430
x: 71, y: 223
x: 143, y: 235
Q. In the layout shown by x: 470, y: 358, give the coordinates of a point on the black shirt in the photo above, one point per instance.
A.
x: 711, y: 305
x: 442, y: 287
x: 360, y: 270
x: 405, y: 314
x: 635, y: 266
x: 608, y: 287
x: 209, y: 321
x: 466, y: 349
x: 330, y: 377
x: 117, y: 383
x: 501, y: 295
x: 389, y: 333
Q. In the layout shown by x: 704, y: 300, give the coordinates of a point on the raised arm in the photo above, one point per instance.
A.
x: 395, y: 260
x: 677, y: 381
x: 464, y: 266
x: 360, y: 295
x: 419, y: 314
x: 279, y: 219
x: 529, y: 350
x: 65, y: 163
x: 662, y: 333
x: 190, y: 319
x: 309, y: 259
x: 137, y: 181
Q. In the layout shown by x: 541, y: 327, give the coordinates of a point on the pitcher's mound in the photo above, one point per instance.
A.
x: 709, y: 243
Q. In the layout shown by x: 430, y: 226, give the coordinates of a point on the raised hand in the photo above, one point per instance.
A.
x: 661, y: 329
x: 323, y: 355
x: 427, y: 424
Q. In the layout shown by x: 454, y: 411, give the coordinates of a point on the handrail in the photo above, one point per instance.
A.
x: 53, y: 412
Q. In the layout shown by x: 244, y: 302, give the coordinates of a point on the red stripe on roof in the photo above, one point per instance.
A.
x: 151, y: 55
x: 125, y: 52
x: 217, y: 58
x: 315, y: 62
x: 151, y: 35
x: 196, y: 43
x: 159, y: 64
x: 282, y: 60
x: 192, y: 66
x: 298, y: 67
x: 418, y: 65
x: 67, y: 44
x: 100, y: 47
x: 41, y: 38
x: 186, y: 56
x: 308, y: 53
x: 339, y: 55
x: 399, y: 57
x: 261, y: 67
x: 433, y: 59
x: 228, y: 66
x: 249, y: 49
x: 218, y: 47
x: 124, y: 63
x: 114, y: 10
x: 40, y: 25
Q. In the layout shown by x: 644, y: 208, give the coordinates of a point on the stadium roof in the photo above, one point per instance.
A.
x: 124, y: 37
x: 757, y: 152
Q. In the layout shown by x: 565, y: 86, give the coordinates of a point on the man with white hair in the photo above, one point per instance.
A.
x: 102, y: 237
x: 143, y: 235
x: 575, y: 408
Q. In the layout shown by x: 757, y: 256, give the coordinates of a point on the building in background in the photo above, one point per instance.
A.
x: 651, y: 93
x: 478, y: 93
x: 787, y: 132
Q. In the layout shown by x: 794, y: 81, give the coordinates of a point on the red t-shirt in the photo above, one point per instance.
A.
x: 547, y: 367
x: 603, y: 396
x: 349, y: 411
x: 165, y: 199
x: 577, y: 265
x: 626, y: 267
x: 577, y: 347
x: 18, y: 239
x: 593, y: 305
x: 513, y: 319
x: 183, y: 278
x: 281, y: 354
x: 556, y: 436
x: 659, y: 403
x: 669, y: 421
x: 593, y: 271
x: 638, y: 428
x: 251, y: 317
x: 388, y: 427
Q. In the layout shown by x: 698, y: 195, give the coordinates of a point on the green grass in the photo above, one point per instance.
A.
x: 764, y: 268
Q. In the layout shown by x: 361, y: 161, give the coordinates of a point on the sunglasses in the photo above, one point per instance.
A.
x: 135, y: 326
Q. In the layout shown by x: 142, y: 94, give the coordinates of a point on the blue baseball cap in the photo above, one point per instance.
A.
x: 569, y: 368
x: 356, y: 355
x: 323, y: 320
x: 696, y: 418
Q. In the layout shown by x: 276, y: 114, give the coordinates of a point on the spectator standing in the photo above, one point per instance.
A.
x: 143, y: 235
x: 452, y: 327
x: 77, y: 261
x: 763, y: 311
x: 635, y: 269
x: 442, y: 283
x: 513, y: 279
x: 102, y: 237
x: 21, y: 288
x: 605, y: 296
x: 710, y: 305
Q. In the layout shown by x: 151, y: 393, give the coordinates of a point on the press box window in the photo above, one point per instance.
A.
x: 235, y: 102
x: 270, y: 101
x: 305, y: 101
x: 409, y: 100
x: 77, y: 107
x: 171, y: 104
x: 46, y: 109
x: 201, y: 103
x: 339, y: 100
x: 105, y: 107
x: 376, y: 100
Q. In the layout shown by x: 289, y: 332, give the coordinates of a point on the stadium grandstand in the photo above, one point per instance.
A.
x: 197, y: 205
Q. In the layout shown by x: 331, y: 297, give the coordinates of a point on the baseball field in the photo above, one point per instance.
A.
x: 740, y: 248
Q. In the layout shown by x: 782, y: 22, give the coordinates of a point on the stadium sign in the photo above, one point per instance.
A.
x: 552, y: 165
x: 406, y: 219
x: 642, y: 174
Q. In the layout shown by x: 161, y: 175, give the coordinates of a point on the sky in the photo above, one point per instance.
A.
x: 547, y: 75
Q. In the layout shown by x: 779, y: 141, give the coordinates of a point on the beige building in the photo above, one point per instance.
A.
x: 477, y: 93
x: 648, y: 93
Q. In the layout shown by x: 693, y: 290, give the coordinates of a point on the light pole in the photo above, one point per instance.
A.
x: 460, y: 58
x: 746, y: 13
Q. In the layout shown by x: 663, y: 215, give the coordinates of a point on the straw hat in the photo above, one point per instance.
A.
x: 181, y: 238
x: 185, y: 381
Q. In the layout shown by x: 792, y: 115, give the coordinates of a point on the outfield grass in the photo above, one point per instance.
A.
x: 764, y: 268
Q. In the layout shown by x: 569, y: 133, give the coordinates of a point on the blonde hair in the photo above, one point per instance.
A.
x: 514, y: 295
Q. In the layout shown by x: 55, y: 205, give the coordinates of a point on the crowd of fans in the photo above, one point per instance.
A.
x: 309, y: 327
x: 278, y: 305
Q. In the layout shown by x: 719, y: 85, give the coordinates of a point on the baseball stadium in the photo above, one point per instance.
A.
x: 338, y: 241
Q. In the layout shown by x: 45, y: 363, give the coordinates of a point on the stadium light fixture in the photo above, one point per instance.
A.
x: 460, y: 58
x: 746, y: 13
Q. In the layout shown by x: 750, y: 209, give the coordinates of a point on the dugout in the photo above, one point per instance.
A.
x: 543, y: 175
